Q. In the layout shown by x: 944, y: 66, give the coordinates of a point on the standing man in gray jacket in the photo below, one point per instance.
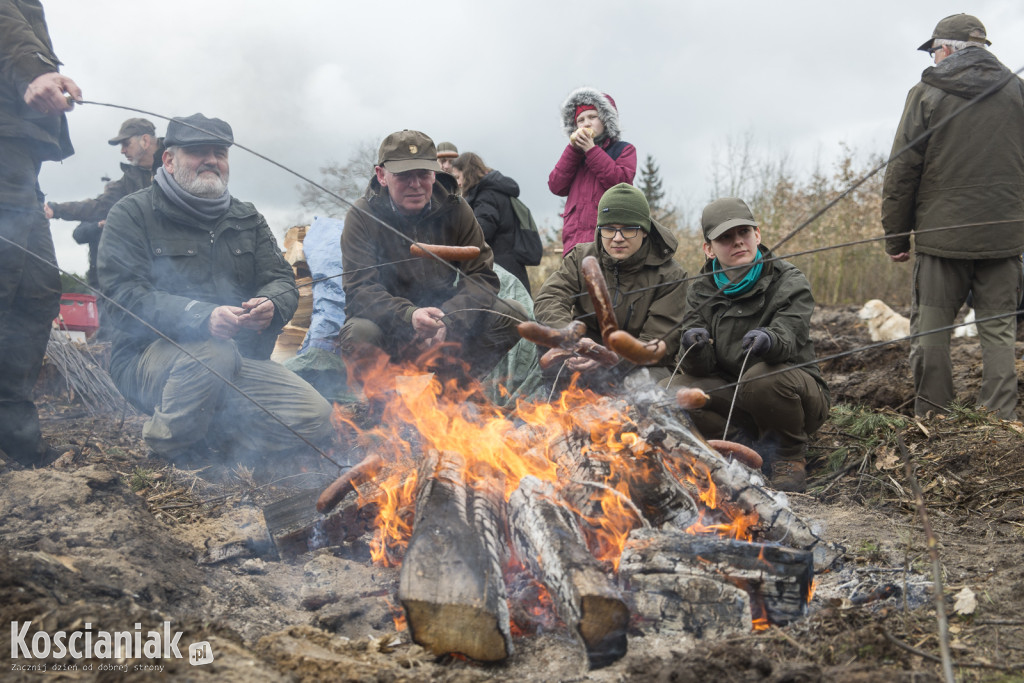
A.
x: 965, y: 171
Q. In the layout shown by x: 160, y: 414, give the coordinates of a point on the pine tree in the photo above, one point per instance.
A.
x: 651, y: 185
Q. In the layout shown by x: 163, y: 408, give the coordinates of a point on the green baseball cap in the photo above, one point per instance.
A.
x: 724, y: 214
x: 408, y: 150
x: 958, y: 27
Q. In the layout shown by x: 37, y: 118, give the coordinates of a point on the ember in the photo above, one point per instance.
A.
x: 461, y: 492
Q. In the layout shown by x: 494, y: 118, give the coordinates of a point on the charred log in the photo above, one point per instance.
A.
x: 683, y: 447
x: 548, y: 541
x: 778, y: 579
x: 451, y: 584
x: 296, y: 527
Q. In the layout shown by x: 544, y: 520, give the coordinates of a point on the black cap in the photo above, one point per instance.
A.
x: 189, y: 131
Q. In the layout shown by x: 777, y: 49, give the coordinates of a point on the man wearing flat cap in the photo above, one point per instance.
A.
x: 203, y: 269
x: 142, y: 149
x: 404, y: 307
x: 960, y: 189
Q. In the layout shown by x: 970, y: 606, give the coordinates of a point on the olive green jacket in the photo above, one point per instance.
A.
x: 648, y: 291
x: 26, y: 53
x: 780, y: 302
x: 968, y: 170
x: 172, y: 271
x: 385, y: 284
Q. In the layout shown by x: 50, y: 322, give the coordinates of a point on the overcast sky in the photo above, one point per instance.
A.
x: 305, y: 82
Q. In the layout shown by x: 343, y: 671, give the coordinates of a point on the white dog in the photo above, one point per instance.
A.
x: 968, y: 329
x: 884, y: 324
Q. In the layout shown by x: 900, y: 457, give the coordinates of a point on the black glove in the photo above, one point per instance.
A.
x: 696, y: 338
x: 758, y: 341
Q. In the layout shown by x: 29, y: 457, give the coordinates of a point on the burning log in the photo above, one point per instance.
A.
x: 683, y: 447
x: 296, y: 527
x: 661, y: 497
x: 451, y: 583
x: 778, y: 579
x: 548, y: 541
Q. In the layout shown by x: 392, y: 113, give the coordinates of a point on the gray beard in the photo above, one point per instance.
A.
x: 208, y: 188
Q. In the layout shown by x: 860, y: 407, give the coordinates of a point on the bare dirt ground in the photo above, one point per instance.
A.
x: 112, y: 537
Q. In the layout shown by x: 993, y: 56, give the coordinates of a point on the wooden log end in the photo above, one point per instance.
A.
x: 602, y: 626
x: 464, y: 629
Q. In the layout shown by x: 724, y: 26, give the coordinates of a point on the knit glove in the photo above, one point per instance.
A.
x: 758, y: 341
x: 696, y: 338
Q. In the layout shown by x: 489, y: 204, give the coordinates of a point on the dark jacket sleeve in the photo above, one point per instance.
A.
x: 903, y: 174
x: 23, y: 54
x: 702, y: 362
x: 790, y: 324
x: 487, y: 209
x: 555, y: 303
x: 278, y: 278
x: 664, y: 314
x: 95, y: 209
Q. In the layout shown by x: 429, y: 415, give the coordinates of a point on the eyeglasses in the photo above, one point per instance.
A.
x: 933, y: 50
x: 627, y: 233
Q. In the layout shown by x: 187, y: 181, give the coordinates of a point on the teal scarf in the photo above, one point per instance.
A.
x: 743, y: 284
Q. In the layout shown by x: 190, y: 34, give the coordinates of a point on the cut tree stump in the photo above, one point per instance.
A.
x: 548, y: 541
x: 451, y: 584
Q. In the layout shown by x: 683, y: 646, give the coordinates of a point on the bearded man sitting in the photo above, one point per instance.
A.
x: 200, y: 291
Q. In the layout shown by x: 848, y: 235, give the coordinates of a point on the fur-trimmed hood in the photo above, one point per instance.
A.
x: 604, y: 104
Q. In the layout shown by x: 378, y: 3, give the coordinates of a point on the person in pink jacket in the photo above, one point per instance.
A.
x: 594, y: 160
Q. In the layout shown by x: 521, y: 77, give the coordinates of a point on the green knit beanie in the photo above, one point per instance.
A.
x: 624, y: 205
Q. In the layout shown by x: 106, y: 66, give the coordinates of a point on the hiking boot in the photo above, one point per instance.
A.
x: 789, y: 475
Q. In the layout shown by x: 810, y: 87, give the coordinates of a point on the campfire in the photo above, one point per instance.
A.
x: 623, y: 517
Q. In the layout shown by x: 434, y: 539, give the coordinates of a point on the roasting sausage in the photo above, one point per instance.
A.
x: 598, y: 290
x: 333, y: 494
x: 588, y: 348
x: 543, y: 335
x: 554, y: 357
x: 444, y: 251
x: 746, y: 455
x: 634, y: 350
x: 691, y: 399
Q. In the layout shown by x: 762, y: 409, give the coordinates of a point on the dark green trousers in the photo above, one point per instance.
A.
x: 779, y: 411
x: 940, y: 289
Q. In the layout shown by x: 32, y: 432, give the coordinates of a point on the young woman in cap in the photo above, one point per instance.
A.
x: 647, y: 287
x: 489, y: 194
x: 752, y: 316
x: 594, y: 160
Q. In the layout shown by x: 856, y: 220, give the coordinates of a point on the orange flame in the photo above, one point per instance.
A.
x: 418, y: 413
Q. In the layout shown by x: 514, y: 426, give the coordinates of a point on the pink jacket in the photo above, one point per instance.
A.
x: 583, y: 179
